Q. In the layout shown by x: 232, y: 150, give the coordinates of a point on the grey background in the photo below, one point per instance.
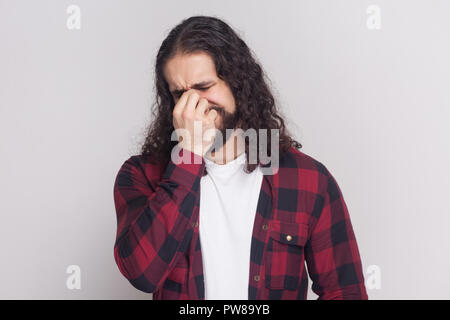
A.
x: 372, y: 105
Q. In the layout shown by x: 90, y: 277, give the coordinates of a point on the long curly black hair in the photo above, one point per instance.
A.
x: 235, y: 65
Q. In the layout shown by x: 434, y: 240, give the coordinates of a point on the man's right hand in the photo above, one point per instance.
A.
x: 190, y: 109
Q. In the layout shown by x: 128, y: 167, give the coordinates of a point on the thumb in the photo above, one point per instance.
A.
x: 212, y: 114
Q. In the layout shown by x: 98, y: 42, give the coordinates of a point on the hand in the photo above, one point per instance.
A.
x: 189, y: 111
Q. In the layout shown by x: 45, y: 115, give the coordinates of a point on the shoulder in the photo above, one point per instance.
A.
x: 303, y: 172
x: 140, y: 166
x: 311, y: 174
x: 308, y: 179
x: 296, y: 159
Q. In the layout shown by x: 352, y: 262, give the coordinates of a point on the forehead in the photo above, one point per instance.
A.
x: 184, y: 70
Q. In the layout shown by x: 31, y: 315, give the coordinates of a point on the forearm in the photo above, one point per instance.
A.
x: 332, y: 253
x: 154, y: 226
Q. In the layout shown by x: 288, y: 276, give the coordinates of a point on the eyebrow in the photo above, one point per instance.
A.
x: 198, y: 85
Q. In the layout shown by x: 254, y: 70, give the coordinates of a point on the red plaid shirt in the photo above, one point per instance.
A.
x: 301, y: 218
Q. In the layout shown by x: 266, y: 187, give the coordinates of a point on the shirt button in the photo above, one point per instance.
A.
x: 288, y: 237
x: 265, y: 227
x: 196, y: 224
x: 256, y: 278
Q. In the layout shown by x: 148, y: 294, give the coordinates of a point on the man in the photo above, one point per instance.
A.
x: 217, y: 226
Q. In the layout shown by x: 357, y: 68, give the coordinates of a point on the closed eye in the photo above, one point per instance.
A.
x: 178, y: 94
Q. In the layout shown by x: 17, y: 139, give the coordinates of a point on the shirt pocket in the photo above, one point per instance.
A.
x: 284, y: 260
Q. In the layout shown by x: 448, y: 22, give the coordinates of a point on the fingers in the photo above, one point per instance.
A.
x: 192, y: 101
x: 212, y: 115
x: 201, y: 108
x: 190, y: 104
x: 179, y: 107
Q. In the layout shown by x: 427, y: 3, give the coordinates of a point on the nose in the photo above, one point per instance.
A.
x: 205, y: 96
x: 201, y: 94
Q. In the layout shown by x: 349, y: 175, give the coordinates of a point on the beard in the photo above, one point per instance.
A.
x: 229, y: 121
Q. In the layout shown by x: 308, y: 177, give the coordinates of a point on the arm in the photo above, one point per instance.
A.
x: 154, y: 223
x: 332, y: 255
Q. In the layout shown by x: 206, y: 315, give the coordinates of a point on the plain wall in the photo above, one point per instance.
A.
x: 371, y: 105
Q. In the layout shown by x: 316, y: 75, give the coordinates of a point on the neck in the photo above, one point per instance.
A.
x: 233, y: 148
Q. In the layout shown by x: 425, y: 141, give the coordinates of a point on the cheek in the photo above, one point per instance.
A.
x: 228, y: 97
x: 224, y: 98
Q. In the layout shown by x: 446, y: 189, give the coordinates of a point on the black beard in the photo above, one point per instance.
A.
x: 229, y: 121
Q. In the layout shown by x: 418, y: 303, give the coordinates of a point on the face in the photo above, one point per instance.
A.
x: 197, y: 71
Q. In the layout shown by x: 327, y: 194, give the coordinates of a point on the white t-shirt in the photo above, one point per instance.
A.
x: 228, y: 203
